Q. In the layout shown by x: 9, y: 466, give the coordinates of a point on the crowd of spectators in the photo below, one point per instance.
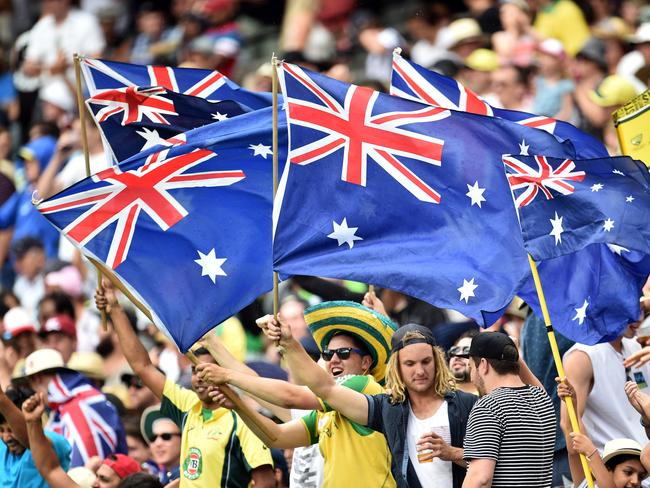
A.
x: 125, y: 408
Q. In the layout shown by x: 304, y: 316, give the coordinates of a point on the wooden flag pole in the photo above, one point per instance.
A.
x: 274, y: 64
x: 575, y: 425
x: 233, y: 397
x: 84, y: 142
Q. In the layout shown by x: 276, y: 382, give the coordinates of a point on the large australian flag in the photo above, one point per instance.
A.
x: 410, y: 197
x: 187, y: 229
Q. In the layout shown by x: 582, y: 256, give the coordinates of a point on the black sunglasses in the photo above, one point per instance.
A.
x: 166, y: 436
x: 459, y: 352
x: 341, y: 352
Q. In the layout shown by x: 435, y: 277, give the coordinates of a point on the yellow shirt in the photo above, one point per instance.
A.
x: 563, y: 20
x: 355, y: 455
x: 217, y: 449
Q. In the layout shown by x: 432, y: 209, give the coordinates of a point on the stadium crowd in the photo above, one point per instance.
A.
x: 348, y: 386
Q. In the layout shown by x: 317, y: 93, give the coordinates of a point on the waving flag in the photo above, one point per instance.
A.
x: 82, y: 414
x: 187, y: 229
x: 383, y: 190
x: 211, y: 85
x: 135, y: 118
x: 412, y: 81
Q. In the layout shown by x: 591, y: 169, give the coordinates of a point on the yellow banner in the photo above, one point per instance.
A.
x: 632, y: 122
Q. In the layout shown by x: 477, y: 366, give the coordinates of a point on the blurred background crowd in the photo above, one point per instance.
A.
x: 572, y: 60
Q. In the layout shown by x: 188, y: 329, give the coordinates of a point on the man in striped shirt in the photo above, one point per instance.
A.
x: 511, y: 430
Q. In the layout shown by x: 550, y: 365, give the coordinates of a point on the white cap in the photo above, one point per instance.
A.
x: 617, y: 447
x: 16, y: 321
x: 642, y: 34
x: 43, y: 360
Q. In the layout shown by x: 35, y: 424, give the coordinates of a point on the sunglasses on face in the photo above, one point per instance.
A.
x: 166, y: 436
x: 341, y: 352
x: 459, y: 352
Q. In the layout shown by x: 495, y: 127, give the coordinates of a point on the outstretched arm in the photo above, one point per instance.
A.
x: 346, y: 401
x: 133, y: 350
x: 42, y: 452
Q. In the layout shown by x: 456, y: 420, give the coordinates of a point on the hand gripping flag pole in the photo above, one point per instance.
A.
x: 575, y: 426
x: 84, y: 141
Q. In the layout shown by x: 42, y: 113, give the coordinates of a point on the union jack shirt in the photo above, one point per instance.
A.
x: 82, y: 414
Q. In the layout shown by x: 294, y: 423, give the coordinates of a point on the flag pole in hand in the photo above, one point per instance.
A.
x: 275, y: 63
x: 84, y: 142
x: 575, y: 426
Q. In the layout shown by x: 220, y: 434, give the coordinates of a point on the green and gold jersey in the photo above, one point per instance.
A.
x: 217, y: 448
x: 354, y: 454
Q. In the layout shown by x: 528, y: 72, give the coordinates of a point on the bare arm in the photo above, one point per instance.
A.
x: 579, y: 373
x: 527, y: 376
x: 133, y: 350
x: 276, y: 392
x: 285, y: 436
x: 42, y: 452
x: 14, y: 418
x: 479, y: 473
x: 346, y: 401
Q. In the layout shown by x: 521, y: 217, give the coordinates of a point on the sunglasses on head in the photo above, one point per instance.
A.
x: 166, y: 436
x: 341, y: 352
x: 459, y: 352
x: 135, y: 383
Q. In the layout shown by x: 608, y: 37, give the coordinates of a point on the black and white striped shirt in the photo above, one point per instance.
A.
x: 516, y: 428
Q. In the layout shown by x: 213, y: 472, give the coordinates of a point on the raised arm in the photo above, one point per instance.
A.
x: 346, y: 401
x: 132, y: 348
x: 285, y: 436
x: 277, y: 392
x: 14, y: 418
x: 42, y: 452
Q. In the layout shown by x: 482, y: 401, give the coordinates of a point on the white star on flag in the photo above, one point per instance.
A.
x: 260, y: 150
x: 151, y: 137
x: 618, y: 172
x: 581, y: 313
x: 557, y: 228
x: 616, y: 249
x: 629, y: 199
x: 597, y: 187
x: 219, y: 116
x: 523, y: 148
x: 344, y: 234
x: 608, y: 225
x: 211, y: 265
x: 475, y: 194
x: 467, y: 290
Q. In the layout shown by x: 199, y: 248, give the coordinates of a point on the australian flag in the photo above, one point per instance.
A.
x: 101, y: 74
x: 82, y: 414
x: 569, y: 208
x: 134, y: 118
x: 187, y: 229
x: 387, y: 191
x: 412, y: 81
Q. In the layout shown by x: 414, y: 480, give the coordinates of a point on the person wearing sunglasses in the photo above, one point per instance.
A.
x: 164, y: 439
x: 458, y: 355
x: 354, y: 343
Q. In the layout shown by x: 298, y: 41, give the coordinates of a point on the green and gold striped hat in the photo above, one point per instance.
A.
x: 373, y: 329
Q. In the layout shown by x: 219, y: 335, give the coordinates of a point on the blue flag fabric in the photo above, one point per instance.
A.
x: 184, y: 228
x: 565, y: 205
x: 412, y: 81
x: 383, y: 190
x: 134, y: 119
x: 612, y: 308
x: 101, y: 74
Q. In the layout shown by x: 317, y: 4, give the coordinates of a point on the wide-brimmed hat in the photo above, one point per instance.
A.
x: 641, y: 35
x: 613, y: 90
x: 43, y: 360
x: 373, y: 329
x: 618, y: 447
x: 150, y: 416
x: 90, y: 364
x: 463, y: 31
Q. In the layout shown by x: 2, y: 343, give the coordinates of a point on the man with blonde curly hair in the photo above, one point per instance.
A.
x: 422, y: 416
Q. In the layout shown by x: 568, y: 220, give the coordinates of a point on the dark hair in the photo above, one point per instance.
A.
x: 359, y: 344
x: 201, y: 351
x: 132, y: 428
x: 24, y: 245
x: 471, y: 333
x: 62, y: 304
x: 500, y: 366
x: 17, y: 395
x: 621, y: 458
x: 140, y: 480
